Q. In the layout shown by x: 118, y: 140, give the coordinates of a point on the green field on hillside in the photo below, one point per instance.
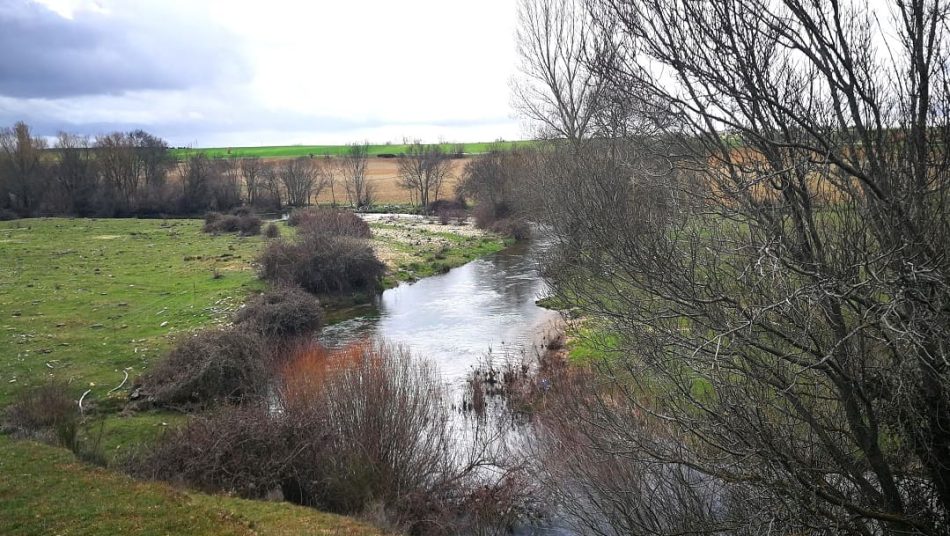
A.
x: 290, y: 151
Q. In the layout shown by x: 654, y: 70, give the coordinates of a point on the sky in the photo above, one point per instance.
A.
x: 206, y: 73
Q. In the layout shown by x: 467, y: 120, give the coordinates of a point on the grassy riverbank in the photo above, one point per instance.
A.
x: 88, y: 301
x: 44, y: 490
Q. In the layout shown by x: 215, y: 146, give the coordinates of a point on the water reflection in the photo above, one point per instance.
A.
x: 457, y: 318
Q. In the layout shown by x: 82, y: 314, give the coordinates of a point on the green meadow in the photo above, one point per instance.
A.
x: 291, y: 151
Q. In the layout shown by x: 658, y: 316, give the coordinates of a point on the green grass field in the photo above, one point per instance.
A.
x: 44, y: 490
x: 290, y: 151
x: 86, y: 300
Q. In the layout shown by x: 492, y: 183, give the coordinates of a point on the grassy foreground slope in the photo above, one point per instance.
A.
x: 289, y: 151
x: 44, y: 490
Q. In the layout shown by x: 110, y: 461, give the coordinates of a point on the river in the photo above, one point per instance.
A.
x: 458, y: 318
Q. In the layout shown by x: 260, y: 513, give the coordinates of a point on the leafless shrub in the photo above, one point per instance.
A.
x: 513, y: 227
x: 272, y: 231
x: 329, y: 222
x: 240, y: 450
x: 322, y: 264
x: 244, y: 222
x: 212, y: 366
x: 47, y: 412
x: 282, y: 312
x: 380, y: 436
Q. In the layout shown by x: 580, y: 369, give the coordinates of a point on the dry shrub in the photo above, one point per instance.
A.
x: 283, y: 311
x: 321, y: 221
x: 384, y: 433
x: 238, y: 450
x: 379, y: 438
x: 447, y: 210
x: 322, y: 264
x: 219, y: 365
x: 244, y: 223
x: 46, y: 412
x: 513, y: 227
x: 272, y: 231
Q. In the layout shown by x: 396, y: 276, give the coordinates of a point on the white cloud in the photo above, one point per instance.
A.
x: 310, y: 73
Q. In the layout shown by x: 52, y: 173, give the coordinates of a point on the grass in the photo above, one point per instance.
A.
x: 87, y: 300
x: 415, y: 253
x: 291, y: 151
x: 44, y: 490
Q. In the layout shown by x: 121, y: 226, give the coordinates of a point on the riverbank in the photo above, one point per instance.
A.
x: 45, y: 490
x: 95, y: 303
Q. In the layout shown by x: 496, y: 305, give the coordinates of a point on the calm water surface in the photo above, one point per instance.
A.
x: 457, y: 318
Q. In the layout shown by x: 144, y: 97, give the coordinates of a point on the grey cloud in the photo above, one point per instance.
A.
x: 48, y: 56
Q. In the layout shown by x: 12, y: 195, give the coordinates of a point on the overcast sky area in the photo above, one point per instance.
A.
x: 232, y: 73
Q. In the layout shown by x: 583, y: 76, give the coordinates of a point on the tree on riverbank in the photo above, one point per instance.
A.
x: 771, y: 256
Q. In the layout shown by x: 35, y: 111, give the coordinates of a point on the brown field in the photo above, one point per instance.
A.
x: 383, y: 175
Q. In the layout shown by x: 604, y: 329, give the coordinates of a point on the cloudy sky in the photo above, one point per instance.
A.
x: 232, y: 73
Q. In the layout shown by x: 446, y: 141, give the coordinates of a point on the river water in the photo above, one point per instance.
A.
x: 483, y: 309
x: 458, y: 318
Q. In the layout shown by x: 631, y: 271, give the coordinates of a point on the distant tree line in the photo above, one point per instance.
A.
x: 134, y: 174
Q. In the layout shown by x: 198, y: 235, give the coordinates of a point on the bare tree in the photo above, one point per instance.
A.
x: 327, y: 170
x: 422, y: 170
x: 75, y: 173
x: 302, y: 180
x: 270, y: 181
x: 120, y: 168
x: 21, y: 167
x: 777, y: 274
x: 353, y: 169
x: 557, y: 89
x: 152, y: 153
x: 251, y: 169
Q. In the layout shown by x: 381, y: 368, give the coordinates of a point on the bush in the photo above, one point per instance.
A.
x: 512, y: 227
x: 246, y: 225
x: 378, y: 434
x: 329, y: 222
x: 447, y: 204
x: 208, y: 367
x: 46, y: 412
x: 233, y: 450
x: 322, y: 264
x: 282, y: 312
x: 272, y: 230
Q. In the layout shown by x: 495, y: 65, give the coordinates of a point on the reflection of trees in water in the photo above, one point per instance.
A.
x: 515, y: 272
